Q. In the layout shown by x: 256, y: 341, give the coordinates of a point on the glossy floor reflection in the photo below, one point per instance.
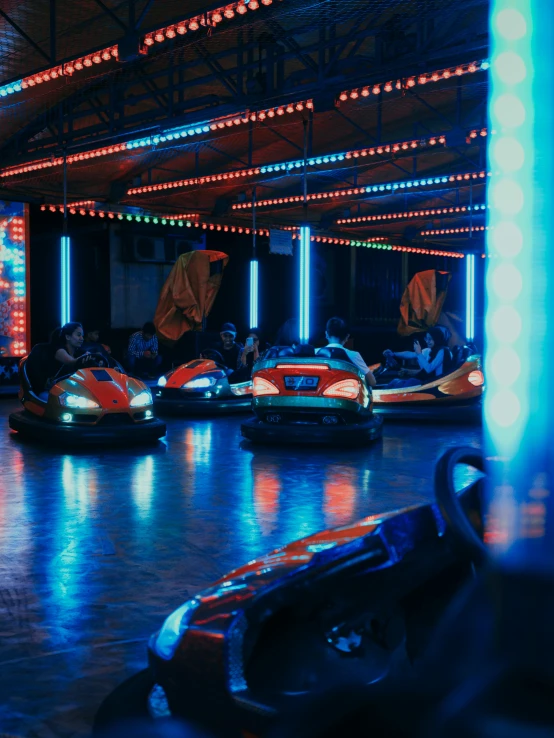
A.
x: 96, y: 548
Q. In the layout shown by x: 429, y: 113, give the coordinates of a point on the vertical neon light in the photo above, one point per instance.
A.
x: 470, y: 297
x: 305, y: 284
x: 65, y: 280
x: 520, y: 279
x: 254, y: 294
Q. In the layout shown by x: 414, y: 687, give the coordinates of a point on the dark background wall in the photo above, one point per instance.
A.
x: 365, y: 286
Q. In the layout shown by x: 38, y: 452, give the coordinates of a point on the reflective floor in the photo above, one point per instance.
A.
x: 96, y: 548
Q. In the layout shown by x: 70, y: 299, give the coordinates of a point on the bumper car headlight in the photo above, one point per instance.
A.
x: 244, y: 388
x: 200, y: 383
x: 172, y: 630
x: 143, y: 398
x: 68, y: 399
x: 162, y: 381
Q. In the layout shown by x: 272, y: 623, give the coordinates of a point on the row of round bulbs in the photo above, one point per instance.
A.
x: 70, y: 67
x: 409, y: 82
x: 407, y: 214
x: 287, y: 165
x: 210, y: 20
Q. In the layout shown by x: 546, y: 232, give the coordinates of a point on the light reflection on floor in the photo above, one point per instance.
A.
x: 96, y: 547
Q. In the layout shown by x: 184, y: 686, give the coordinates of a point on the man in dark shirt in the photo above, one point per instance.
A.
x: 229, y: 349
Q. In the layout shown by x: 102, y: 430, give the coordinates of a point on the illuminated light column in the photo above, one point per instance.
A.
x: 65, y: 284
x: 305, y: 284
x: 520, y: 279
x: 253, y: 294
x: 470, y: 297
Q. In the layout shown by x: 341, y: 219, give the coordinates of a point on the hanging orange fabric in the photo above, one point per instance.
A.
x: 189, y: 293
x: 422, y: 301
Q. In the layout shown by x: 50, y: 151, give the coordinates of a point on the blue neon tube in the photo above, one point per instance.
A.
x: 470, y: 297
x: 65, y: 280
x: 253, y: 294
x: 305, y: 284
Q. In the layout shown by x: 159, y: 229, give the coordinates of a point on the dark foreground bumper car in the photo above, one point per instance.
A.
x: 202, y: 387
x: 95, y: 403
x: 343, y: 608
x: 456, y: 397
x: 311, y: 399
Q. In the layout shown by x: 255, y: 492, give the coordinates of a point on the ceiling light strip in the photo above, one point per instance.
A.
x: 152, y: 140
x: 454, y: 231
x: 408, y: 214
x: 207, y: 21
x: 407, y: 83
x: 385, y: 188
x: 378, y: 244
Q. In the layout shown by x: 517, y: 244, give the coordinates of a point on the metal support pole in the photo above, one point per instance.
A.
x: 53, y: 31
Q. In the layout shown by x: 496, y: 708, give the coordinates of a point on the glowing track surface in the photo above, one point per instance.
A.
x: 97, y: 548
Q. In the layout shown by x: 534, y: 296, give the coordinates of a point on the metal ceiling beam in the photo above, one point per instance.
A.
x: 109, y: 12
x: 22, y: 33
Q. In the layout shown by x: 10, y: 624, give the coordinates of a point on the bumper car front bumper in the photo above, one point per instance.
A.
x: 29, y: 426
x: 178, y: 403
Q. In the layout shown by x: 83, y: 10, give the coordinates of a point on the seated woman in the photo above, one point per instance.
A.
x: 431, y: 360
x: 249, y: 356
x: 65, y: 345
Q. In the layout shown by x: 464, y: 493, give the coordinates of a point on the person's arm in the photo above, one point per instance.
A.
x: 370, y: 379
x: 155, y: 346
x: 360, y: 363
x: 134, y: 348
x: 63, y: 357
x: 405, y: 354
x: 430, y: 366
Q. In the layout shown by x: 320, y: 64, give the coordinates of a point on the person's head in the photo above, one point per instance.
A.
x: 255, y: 336
x: 92, y: 336
x: 435, y: 340
x: 148, y: 331
x: 336, y: 331
x: 228, y: 334
x: 70, y: 336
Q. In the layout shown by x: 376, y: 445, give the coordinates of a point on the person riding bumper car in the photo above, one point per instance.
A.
x: 453, y: 397
x: 342, y: 608
x: 203, y: 387
x: 92, y: 401
x: 301, y: 397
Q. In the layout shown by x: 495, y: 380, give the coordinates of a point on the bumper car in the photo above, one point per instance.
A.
x: 311, y: 399
x: 94, y: 402
x: 454, y: 397
x: 341, y: 609
x: 202, y: 387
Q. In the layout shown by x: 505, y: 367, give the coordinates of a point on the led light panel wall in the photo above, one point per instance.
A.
x: 13, y: 280
x: 520, y: 283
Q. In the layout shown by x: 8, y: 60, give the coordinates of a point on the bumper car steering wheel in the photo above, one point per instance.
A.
x: 213, y: 355
x: 467, y: 532
x: 83, y: 362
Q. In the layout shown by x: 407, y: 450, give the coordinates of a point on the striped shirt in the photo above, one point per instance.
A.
x: 137, y: 344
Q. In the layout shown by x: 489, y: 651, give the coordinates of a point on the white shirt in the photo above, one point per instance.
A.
x: 431, y: 367
x: 354, y: 356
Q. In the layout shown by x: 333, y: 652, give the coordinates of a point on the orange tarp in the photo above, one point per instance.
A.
x: 189, y: 293
x: 422, y: 301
